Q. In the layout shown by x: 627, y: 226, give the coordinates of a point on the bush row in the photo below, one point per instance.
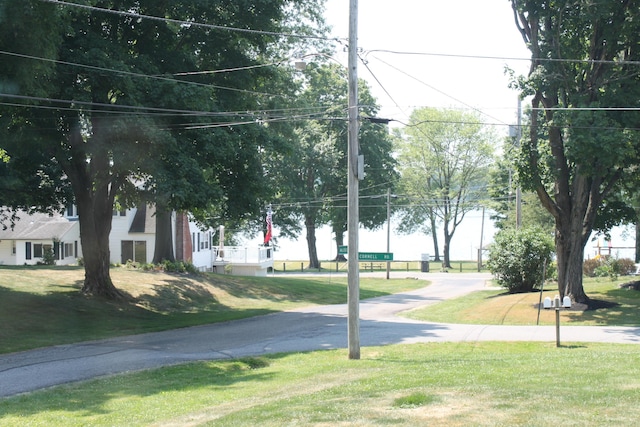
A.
x: 608, y: 266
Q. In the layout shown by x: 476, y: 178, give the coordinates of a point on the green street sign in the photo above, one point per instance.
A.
x: 342, y: 250
x: 375, y: 256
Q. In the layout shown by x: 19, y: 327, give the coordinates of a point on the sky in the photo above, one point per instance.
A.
x: 450, y: 43
x: 448, y: 54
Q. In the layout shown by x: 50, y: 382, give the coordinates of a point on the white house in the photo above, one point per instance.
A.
x: 32, y: 235
x: 132, y: 238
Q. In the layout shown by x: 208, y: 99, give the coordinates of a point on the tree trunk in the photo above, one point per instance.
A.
x: 434, y: 236
x: 447, y: 245
x: 311, y: 242
x: 94, y: 189
x: 638, y: 240
x: 163, y: 250
x: 95, y: 215
x: 339, y: 233
x: 447, y: 260
x: 570, y: 254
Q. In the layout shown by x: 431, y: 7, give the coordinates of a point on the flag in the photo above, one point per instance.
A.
x: 267, y: 237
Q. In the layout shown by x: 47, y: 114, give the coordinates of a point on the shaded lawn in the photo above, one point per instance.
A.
x: 42, y: 306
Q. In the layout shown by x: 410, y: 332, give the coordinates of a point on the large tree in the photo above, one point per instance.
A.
x: 312, y: 175
x: 583, y: 141
x: 444, y: 164
x: 129, y: 95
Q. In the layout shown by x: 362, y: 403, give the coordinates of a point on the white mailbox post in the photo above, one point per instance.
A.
x: 555, y: 303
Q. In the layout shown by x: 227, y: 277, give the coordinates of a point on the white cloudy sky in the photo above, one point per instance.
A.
x: 458, y: 36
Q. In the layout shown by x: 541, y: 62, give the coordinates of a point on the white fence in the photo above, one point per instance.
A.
x: 245, y: 255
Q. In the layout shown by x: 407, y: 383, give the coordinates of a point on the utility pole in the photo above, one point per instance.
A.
x: 353, y: 219
x: 518, y: 190
x: 388, y: 229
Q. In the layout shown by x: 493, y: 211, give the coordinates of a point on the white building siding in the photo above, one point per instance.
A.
x: 203, y: 253
x: 7, y: 257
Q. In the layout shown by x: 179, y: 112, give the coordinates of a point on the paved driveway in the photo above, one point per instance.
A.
x: 312, y: 328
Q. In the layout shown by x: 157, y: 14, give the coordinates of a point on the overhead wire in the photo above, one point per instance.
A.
x: 510, y: 58
x: 365, y: 62
x: 187, y: 23
x: 147, y: 76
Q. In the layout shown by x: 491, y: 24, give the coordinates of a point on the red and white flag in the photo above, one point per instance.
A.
x: 267, y: 237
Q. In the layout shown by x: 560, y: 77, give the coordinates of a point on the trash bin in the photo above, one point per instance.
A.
x: 424, y: 263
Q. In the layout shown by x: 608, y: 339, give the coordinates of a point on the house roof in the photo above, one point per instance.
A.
x: 37, y: 226
x: 144, y: 220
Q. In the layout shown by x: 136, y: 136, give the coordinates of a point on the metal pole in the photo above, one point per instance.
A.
x: 388, y: 229
x: 353, y: 273
x: 481, y: 242
x: 557, y: 326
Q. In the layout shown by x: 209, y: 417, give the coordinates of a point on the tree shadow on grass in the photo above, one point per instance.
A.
x: 91, y: 399
x: 179, y: 295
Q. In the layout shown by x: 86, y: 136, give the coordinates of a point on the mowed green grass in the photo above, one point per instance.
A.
x: 495, y: 307
x: 43, y: 306
x: 451, y: 384
x: 436, y: 384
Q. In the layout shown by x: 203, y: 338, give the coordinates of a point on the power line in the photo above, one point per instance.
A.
x: 507, y: 58
x: 439, y: 91
x: 146, y: 76
x: 187, y: 23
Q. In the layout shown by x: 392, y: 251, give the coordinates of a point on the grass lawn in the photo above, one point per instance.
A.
x: 435, y: 384
x: 42, y: 306
x: 452, y: 384
x: 494, y: 307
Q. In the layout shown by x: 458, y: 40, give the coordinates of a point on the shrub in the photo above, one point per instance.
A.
x: 624, y: 266
x: 517, y: 257
x: 179, y: 267
x: 608, y: 266
x: 589, y: 266
x: 48, y: 256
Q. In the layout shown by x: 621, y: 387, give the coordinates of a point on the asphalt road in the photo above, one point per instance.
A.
x: 312, y: 328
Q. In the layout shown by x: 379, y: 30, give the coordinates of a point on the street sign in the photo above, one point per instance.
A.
x: 368, y: 256
x: 375, y: 256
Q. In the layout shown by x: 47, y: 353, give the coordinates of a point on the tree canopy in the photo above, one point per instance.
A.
x: 444, y: 161
x: 312, y: 175
x: 142, y: 99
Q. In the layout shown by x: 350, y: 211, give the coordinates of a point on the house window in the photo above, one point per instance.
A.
x: 135, y: 251
x: 68, y: 250
x: 122, y: 212
x: 39, y: 249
